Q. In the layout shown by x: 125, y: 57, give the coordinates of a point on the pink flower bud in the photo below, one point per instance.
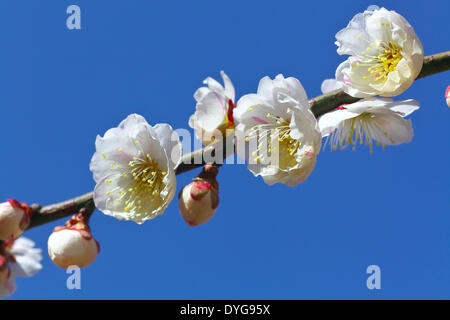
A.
x: 198, y: 201
x: 447, y: 96
x: 14, y: 219
x: 70, y: 246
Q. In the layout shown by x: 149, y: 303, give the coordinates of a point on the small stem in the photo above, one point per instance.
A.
x: 85, y: 214
x: 435, y: 63
x: 63, y: 209
x: 320, y: 105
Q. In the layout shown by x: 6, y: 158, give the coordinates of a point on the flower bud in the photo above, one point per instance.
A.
x: 14, y: 219
x: 68, y: 247
x: 447, y: 96
x: 198, y: 201
x: 73, y: 244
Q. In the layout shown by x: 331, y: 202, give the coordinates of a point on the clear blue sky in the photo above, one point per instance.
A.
x: 60, y: 88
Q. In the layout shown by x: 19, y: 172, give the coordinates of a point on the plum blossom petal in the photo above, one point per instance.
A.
x: 27, y: 258
x: 214, y: 109
x: 24, y: 261
x: 329, y: 85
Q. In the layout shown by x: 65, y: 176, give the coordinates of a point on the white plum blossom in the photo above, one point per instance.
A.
x: 369, y: 119
x: 134, y: 168
x: 214, y: 109
x: 24, y: 261
x: 386, y: 55
x: 279, y: 122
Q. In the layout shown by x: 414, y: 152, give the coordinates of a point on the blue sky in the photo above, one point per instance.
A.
x: 59, y: 88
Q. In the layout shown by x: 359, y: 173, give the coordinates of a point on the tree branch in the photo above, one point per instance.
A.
x: 320, y: 105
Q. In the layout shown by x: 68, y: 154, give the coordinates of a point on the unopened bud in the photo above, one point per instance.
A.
x: 68, y: 247
x: 447, y: 96
x: 14, y: 219
x: 198, y: 200
x: 73, y: 244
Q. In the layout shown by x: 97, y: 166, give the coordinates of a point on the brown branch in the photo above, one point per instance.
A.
x: 320, y: 105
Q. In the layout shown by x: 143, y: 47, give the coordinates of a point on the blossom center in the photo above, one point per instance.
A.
x: 385, y: 59
x: 362, y: 128
x: 145, y: 184
x: 274, y: 137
